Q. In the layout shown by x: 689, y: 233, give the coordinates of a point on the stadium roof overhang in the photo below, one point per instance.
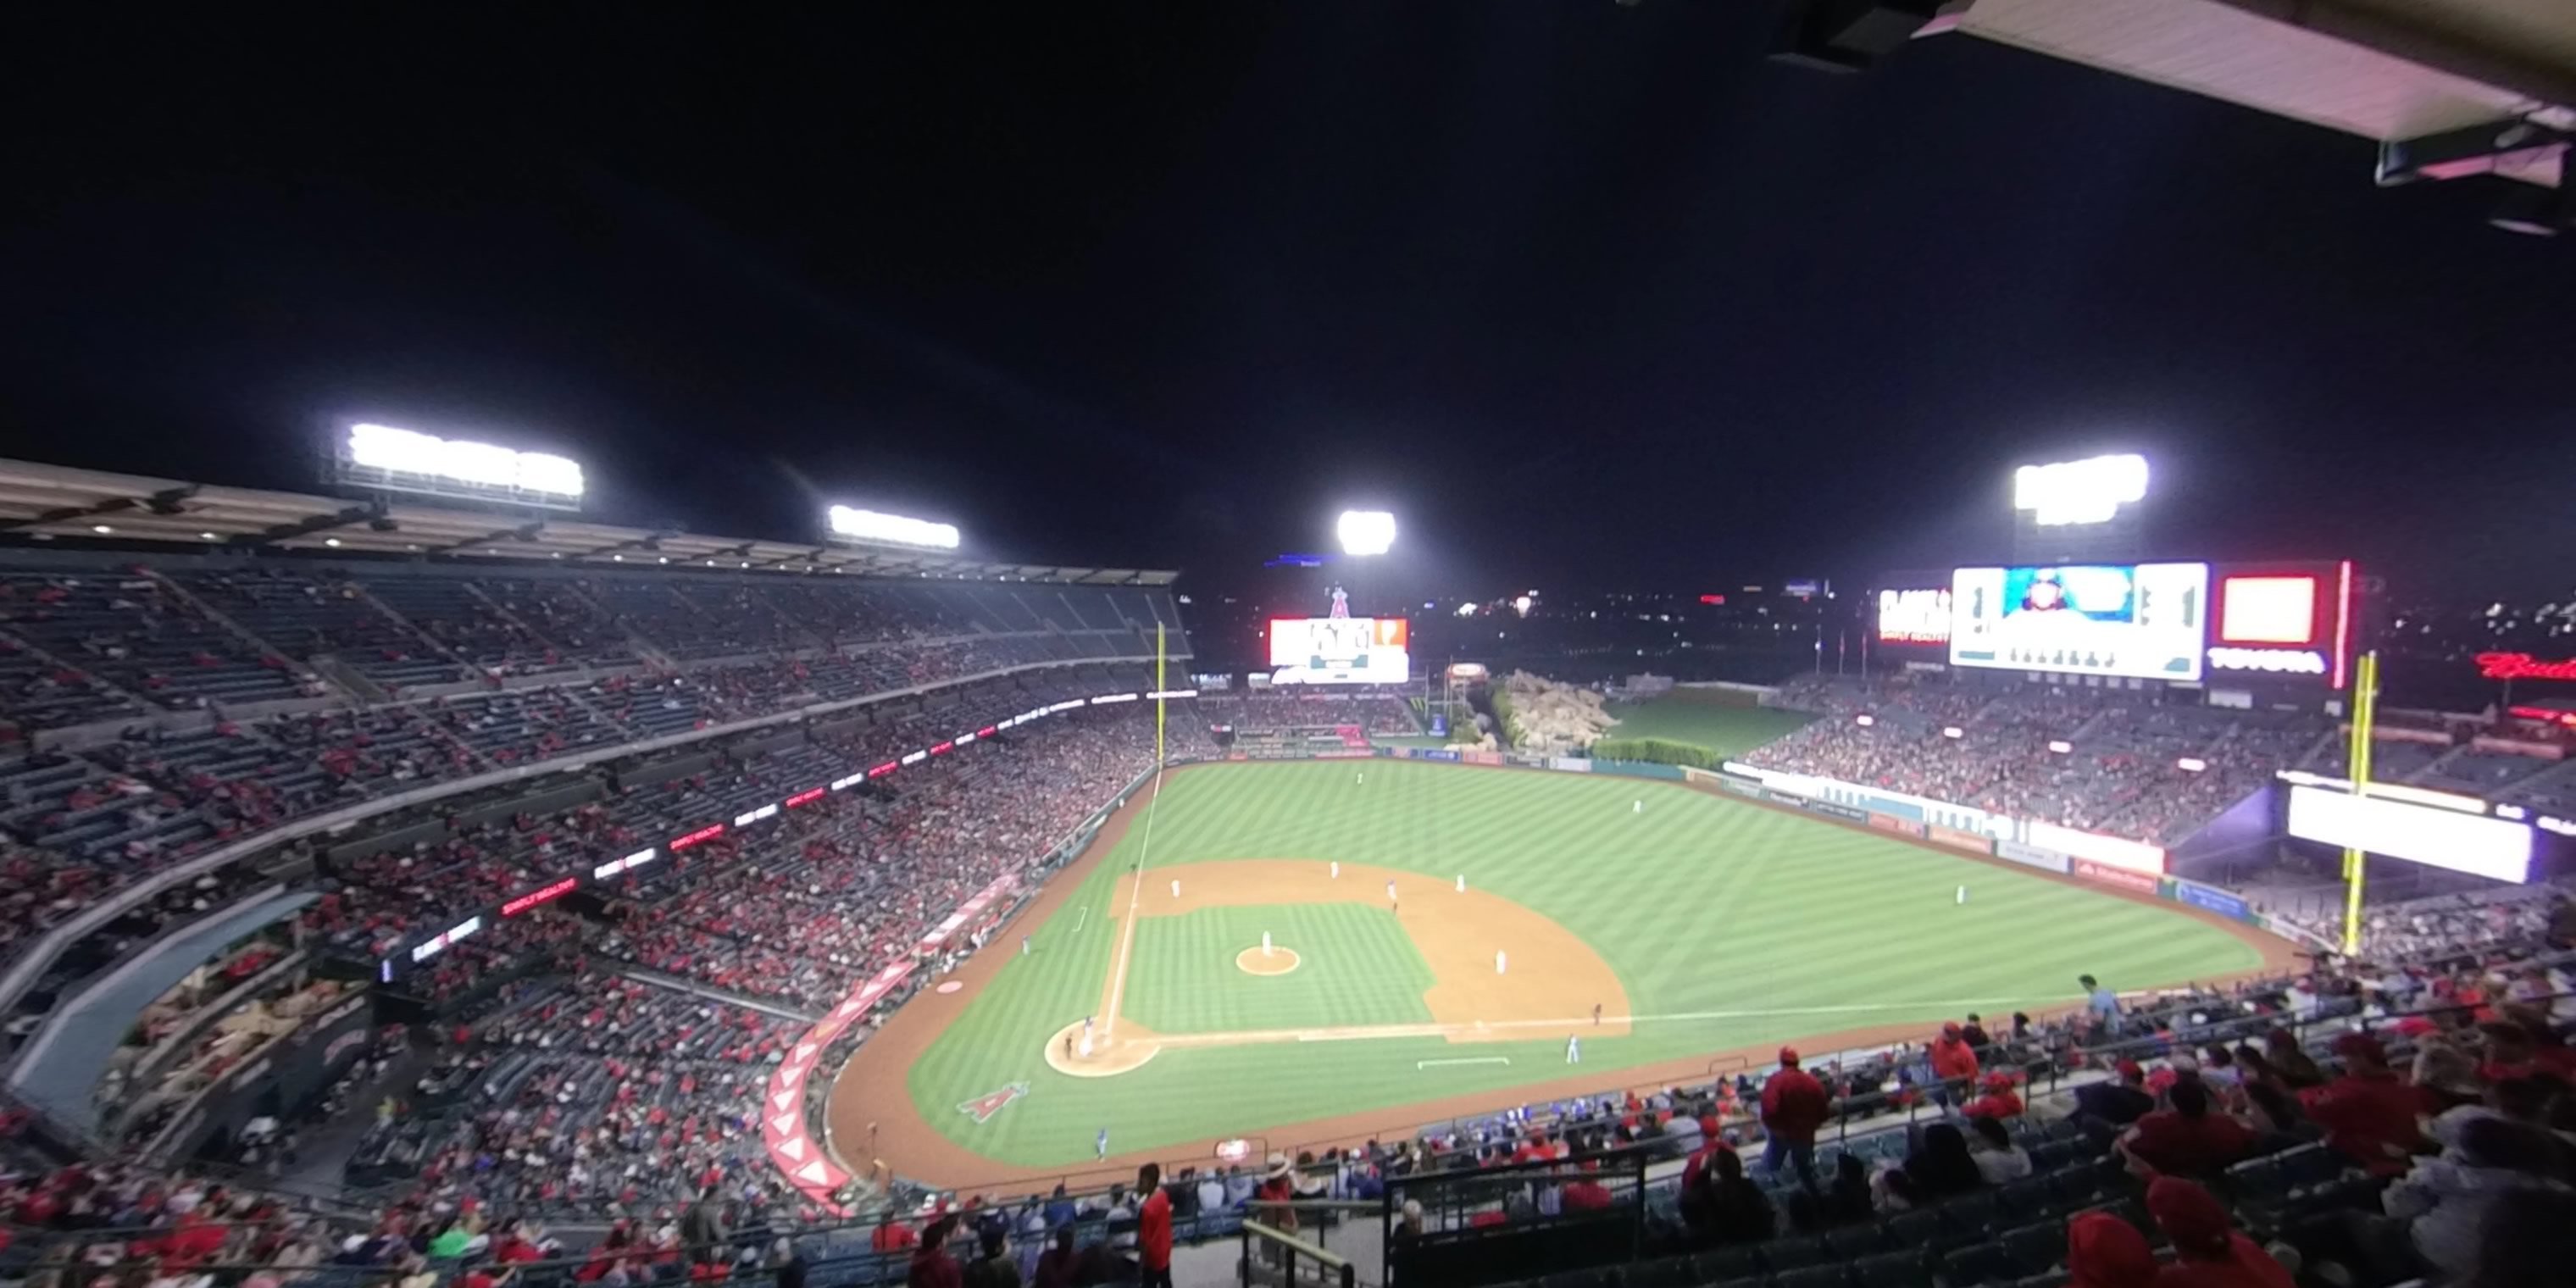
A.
x: 54, y: 502
x: 2441, y: 85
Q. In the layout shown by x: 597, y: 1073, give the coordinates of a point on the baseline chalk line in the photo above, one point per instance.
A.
x: 1420, y: 1065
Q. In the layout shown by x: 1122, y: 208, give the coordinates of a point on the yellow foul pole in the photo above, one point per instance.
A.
x: 1159, y: 688
x: 2365, y: 710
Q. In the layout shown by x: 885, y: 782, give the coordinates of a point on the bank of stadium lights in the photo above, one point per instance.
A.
x: 2077, y: 492
x: 850, y: 524
x: 406, y: 460
x: 1365, y: 532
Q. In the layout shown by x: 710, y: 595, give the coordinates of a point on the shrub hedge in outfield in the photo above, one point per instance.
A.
x: 1659, y: 751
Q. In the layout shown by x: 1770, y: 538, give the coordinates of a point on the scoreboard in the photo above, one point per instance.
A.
x: 2282, y: 623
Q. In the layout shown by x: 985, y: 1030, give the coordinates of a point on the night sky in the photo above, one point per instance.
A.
x: 1586, y: 293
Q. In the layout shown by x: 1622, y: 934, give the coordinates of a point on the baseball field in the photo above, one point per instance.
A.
x: 1436, y: 935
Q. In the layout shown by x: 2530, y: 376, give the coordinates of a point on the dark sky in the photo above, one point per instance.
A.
x: 1584, y: 292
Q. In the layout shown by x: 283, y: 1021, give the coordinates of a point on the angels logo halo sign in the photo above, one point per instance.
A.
x: 983, y: 1107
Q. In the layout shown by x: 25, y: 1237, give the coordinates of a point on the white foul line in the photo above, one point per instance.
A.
x: 1575, y: 1024
x: 1420, y: 1065
x: 1135, y: 896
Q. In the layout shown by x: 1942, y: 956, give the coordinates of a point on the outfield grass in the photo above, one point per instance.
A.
x: 1718, y: 721
x: 1355, y: 966
x: 1729, y: 925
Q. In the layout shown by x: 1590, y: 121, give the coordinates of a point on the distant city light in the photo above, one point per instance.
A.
x: 891, y: 529
x: 1365, y: 532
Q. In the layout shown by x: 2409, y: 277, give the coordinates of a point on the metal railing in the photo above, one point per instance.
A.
x: 1291, y: 1256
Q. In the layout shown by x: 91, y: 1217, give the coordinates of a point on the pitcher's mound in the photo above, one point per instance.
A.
x: 1278, y: 961
x: 1107, y: 1056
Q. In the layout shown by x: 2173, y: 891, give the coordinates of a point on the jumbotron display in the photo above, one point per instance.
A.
x: 1339, y: 650
x: 2143, y: 621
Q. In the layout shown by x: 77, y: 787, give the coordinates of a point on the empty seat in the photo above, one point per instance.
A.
x: 1978, y: 1263
x: 1826, y: 1276
x: 1892, y: 1270
x: 2038, y: 1247
x: 1793, y: 1254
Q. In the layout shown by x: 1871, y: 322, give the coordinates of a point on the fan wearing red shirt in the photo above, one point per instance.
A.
x: 891, y: 1235
x: 2188, y: 1138
x: 1588, y: 1194
x: 2000, y: 1100
x: 1953, y: 1060
x: 2368, y: 1113
x: 1154, y: 1228
x: 1794, y: 1105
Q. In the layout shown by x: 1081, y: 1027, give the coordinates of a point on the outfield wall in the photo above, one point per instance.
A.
x: 2111, y: 862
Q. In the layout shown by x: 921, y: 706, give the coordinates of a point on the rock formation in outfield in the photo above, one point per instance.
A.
x: 1551, y: 718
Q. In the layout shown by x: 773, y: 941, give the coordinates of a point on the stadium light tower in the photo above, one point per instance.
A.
x: 1366, y: 532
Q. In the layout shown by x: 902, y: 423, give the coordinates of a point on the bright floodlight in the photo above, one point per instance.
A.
x: 1366, y: 532
x: 2086, y: 491
x: 403, y: 452
x: 891, y: 529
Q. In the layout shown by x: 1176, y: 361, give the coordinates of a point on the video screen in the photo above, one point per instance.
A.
x: 1339, y: 650
x: 2281, y: 622
x: 1920, y: 615
x: 2142, y: 621
x: 2462, y: 842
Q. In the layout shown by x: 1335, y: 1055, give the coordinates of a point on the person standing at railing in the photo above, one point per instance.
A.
x: 931, y: 1266
x: 1794, y: 1106
x: 1153, y: 1228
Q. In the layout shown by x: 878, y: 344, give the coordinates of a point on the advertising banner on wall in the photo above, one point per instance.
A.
x: 2116, y: 878
x: 2110, y: 851
x: 1900, y: 826
x: 1831, y: 810
x: 969, y: 913
x: 2211, y: 898
x: 2033, y: 856
x: 782, y: 1128
x: 1974, y: 843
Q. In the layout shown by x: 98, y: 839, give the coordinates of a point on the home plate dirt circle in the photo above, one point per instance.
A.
x: 1276, y: 961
